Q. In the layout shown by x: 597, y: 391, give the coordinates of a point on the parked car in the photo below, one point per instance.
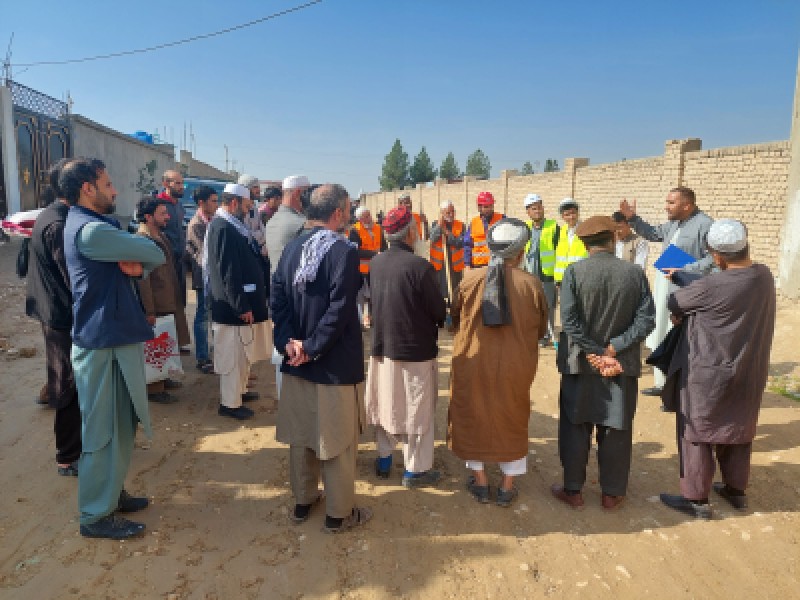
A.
x: 189, y: 207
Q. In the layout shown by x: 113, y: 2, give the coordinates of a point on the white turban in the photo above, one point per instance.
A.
x: 360, y: 211
x: 506, y: 239
x: 235, y: 189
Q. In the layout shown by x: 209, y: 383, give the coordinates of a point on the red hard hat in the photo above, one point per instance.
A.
x: 485, y: 199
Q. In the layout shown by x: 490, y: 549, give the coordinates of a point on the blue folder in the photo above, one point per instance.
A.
x: 673, y: 258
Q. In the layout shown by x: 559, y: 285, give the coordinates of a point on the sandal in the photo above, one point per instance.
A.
x: 359, y: 516
x: 506, y: 497
x: 302, y: 512
x: 479, y: 492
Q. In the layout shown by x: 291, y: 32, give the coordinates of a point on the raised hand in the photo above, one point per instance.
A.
x: 627, y: 209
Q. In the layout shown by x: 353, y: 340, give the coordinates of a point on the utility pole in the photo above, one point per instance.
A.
x: 226, y: 157
x: 7, y: 62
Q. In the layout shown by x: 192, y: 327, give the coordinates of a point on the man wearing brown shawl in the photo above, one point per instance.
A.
x: 719, y: 370
x: 500, y: 313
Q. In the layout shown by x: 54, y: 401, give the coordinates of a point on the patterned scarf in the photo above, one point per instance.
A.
x: 314, y: 250
x: 238, y: 225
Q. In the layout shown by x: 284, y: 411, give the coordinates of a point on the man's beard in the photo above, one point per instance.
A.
x: 176, y: 195
x: 239, y: 213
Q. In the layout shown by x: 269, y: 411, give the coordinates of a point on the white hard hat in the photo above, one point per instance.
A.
x: 532, y: 199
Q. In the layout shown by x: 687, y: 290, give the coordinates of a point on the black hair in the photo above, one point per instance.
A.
x: 305, y: 197
x: 272, y: 191
x: 77, y: 172
x: 203, y: 193
x: 54, y: 172
x: 324, y: 201
x: 147, y: 206
x: 685, y: 193
x: 618, y: 217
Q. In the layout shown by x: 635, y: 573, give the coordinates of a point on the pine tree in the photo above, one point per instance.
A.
x: 422, y: 170
x: 449, y: 169
x: 478, y: 165
x: 394, y: 174
x: 550, y: 165
x: 527, y: 168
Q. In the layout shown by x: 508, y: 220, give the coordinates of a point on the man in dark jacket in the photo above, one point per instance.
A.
x: 238, y: 300
x: 174, y: 232
x: 49, y: 300
x: 606, y: 310
x: 402, y: 383
x: 313, y: 304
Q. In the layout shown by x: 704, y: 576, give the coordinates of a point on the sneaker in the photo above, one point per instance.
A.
x: 424, y: 479
x: 240, y: 412
x: 129, y: 504
x: 71, y: 470
x: 112, y: 527
x: 698, y: 510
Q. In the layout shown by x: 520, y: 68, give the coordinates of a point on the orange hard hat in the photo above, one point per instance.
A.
x: 485, y: 199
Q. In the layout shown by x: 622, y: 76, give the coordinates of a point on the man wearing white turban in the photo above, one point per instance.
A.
x: 500, y: 313
x: 729, y: 319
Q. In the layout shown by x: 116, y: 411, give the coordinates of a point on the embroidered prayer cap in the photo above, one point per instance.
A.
x: 296, y: 182
x: 446, y: 204
x: 248, y: 181
x: 506, y: 239
x: 727, y: 235
x: 397, y: 218
x: 567, y: 203
x: 236, y: 189
x: 485, y: 199
x: 360, y: 211
x: 595, y: 225
x: 532, y: 199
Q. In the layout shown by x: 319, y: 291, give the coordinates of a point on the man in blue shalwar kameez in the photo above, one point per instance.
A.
x: 107, y: 356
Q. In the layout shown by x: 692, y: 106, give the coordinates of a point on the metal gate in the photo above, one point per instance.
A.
x: 42, y: 129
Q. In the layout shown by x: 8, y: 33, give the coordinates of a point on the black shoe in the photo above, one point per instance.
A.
x: 129, y: 504
x: 71, y: 470
x: 693, y: 509
x: 112, y: 527
x: 250, y: 396
x: 205, y: 366
x: 162, y: 398
x: 241, y: 413
x: 172, y: 384
x: 736, y: 500
x: 652, y: 391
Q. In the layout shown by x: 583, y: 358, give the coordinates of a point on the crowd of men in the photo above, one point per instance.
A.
x: 298, y: 278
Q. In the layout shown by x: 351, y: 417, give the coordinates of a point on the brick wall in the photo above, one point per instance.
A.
x: 749, y: 183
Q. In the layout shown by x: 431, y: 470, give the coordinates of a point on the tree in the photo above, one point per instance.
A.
x: 147, y: 181
x: 422, y: 171
x: 478, y: 165
x: 394, y: 174
x: 527, y: 168
x: 550, y: 165
x: 449, y: 169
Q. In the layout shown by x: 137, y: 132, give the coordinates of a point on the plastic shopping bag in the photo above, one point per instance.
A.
x: 162, y: 357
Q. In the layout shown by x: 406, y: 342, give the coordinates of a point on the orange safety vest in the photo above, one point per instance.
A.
x: 480, y: 249
x: 369, y: 241
x: 456, y: 254
x: 420, y: 230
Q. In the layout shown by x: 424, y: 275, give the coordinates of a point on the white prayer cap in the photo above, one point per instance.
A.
x: 360, y: 211
x: 727, y: 235
x: 446, y: 204
x: 567, y: 203
x: 248, y: 180
x: 236, y: 189
x: 296, y: 182
x: 532, y: 199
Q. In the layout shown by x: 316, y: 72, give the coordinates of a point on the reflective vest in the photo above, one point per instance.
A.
x: 456, y: 254
x: 568, y: 253
x: 420, y: 230
x: 547, y: 251
x: 480, y: 249
x: 369, y: 241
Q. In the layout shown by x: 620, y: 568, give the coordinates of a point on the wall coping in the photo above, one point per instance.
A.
x: 163, y: 148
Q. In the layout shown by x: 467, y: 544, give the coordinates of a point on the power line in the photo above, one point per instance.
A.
x: 175, y: 43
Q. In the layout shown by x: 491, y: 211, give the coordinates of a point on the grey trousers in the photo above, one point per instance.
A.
x: 550, y: 296
x: 338, y: 479
x: 614, y: 448
x: 697, y: 465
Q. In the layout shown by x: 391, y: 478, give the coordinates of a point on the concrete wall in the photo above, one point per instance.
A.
x: 745, y: 182
x: 790, y: 248
x: 191, y: 167
x: 124, y: 156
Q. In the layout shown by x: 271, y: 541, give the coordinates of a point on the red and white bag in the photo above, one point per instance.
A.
x: 162, y: 356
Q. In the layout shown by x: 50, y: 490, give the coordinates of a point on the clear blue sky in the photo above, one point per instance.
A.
x: 327, y: 90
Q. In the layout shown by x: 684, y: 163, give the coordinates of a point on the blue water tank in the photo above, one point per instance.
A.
x: 143, y: 136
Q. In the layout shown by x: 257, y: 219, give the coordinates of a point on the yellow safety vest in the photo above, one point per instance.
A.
x: 568, y: 253
x: 547, y: 252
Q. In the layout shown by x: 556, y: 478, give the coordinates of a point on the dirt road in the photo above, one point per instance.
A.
x: 217, y: 527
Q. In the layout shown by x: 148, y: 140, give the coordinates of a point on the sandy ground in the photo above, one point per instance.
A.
x: 217, y: 527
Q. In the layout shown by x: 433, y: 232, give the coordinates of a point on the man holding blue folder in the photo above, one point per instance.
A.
x: 683, y: 238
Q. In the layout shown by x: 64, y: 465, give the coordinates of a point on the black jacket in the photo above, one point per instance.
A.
x: 49, y: 298
x: 323, y: 315
x: 236, y: 277
x: 407, y: 305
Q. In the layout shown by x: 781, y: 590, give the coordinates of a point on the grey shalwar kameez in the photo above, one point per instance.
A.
x: 719, y: 371
x: 603, y: 300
